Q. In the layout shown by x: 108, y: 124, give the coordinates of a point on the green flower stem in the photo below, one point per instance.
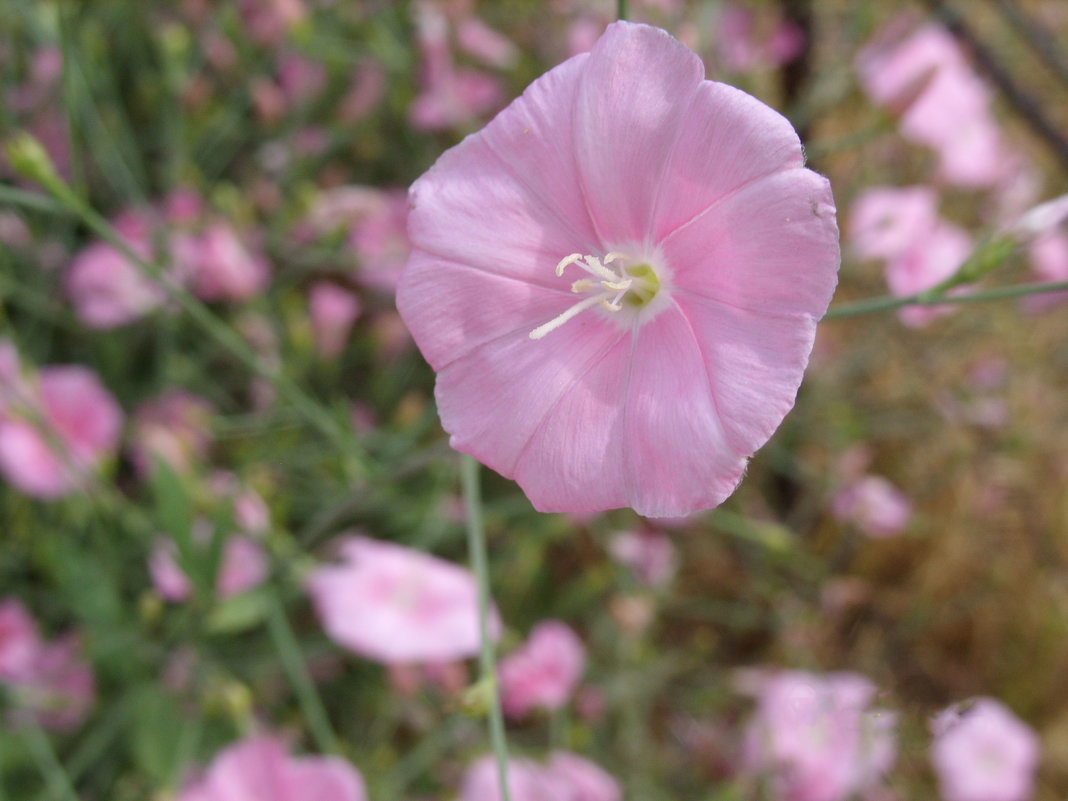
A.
x: 58, y: 783
x: 621, y: 9
x: 476, y: 544
x: 285, y: 642
x: 888, y: 303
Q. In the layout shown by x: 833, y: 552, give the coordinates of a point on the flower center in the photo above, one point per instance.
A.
x: 611, y: 288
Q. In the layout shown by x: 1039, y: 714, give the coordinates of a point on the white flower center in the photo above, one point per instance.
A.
x: 610, y: 288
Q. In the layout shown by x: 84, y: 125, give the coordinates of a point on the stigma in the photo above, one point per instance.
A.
x: 608, y: 287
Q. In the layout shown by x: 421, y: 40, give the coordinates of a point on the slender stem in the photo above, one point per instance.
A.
x: 285, y: 642
x: 476, y: 544
x: 888, y: 303
x: 621, y: 9
x: 55, y: 776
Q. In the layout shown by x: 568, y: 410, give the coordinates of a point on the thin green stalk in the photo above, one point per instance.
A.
x: 621, y: 9
x: 57, y: 781
x: 285, y: 642
x: 888, y: 303
x: 476, y: 544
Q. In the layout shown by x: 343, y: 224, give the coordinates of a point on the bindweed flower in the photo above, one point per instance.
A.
x: 259, y: 768
x: 816, y: 736
x: 875, y: 505
x: 566, y: 777
x: 704, y: 254
x: 885, y: 222
x: 649, y: 554
x: 544, y: 671
x: 333, y: 310
x: 982, y: 752
x: 397, y: 605
x: 55, y: 430
x: 174, y: 427
x: 47, y: 680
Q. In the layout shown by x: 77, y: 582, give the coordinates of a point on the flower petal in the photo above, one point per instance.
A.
x: 770, y: 247
x: 633, y: 95
x: 754, y: 363
x: 726, y: 140
x: 453, y: 308
x: 494, y: 399
x: 574, y: 459
x: 677, y: 455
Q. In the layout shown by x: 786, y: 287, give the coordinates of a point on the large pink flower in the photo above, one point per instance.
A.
x: 706, y: 250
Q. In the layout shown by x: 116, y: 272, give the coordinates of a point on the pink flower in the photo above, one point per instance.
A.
x: 19, y: 640
x: 875, y: 505
x: 106, y: 288
x: 544, y: 672
x: 945, y: 106
x: 223, y: 267
x: 885, y: 222
x: 54, y: 432
x: 46, y: 680
x: 333, y: 311
x: 566, y: 777
x: 816, y: 735
x: 982, y: 752
x: 259, y: 769
x: 1049, y: 260
x: 649, y: 554
x: 173, y: 427
x: 244, y: 566
x: 58, y: 690
x: 929, y: 261
x: 651, y: 380
x: 396, y: 605
x: 489, y: 46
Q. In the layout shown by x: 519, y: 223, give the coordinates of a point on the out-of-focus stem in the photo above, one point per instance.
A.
x: 476, y: 544
x: 889, y: 303
x: 621, y: 9
x: 293, y: 663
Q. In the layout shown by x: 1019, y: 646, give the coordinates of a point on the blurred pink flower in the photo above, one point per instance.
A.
x: 566, y: 777
x: 982, y: 752
x: 106, y: 288
x: 944, y: 104
x: 398, y: 605
x: 885, y: 222
x: 300, y: 78
x: 58, y: 690
x: 816, y: 736
x: 174, y: 427
x: 259, y: 769
x: 223, y: 267
x: 56, y: 430
x: 875, y: 505
x: 931, y: 260
x: 1049, y: 260
x: 367, y: 90
x: 451, y: 96
x: 19, y: 640
x: 268, y: 21
x: 703, y: 280
x: 649, y: 555
x: 487, y: 45
x: 46, y: 679
x: 333, y: 310
x: 544, y: 671
x: 244, y: 565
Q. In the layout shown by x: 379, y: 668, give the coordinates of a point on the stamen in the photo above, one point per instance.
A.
x: 558, y: 321
x: 609, y: 290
